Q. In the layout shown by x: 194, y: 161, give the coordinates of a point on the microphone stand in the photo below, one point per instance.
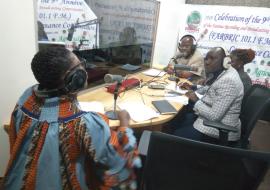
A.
x: 172, y: 76
x: 112, y: 113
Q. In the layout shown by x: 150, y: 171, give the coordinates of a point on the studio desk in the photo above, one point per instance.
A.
x: 144, y: 94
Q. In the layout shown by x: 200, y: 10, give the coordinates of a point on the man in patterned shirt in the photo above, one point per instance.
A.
x: 221, y: 102
x: 55, y: 145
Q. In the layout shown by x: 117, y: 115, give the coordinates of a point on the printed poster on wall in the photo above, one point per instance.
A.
x: 68, y: 21
x: 231, y: 27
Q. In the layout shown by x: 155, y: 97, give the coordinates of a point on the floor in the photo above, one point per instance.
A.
x: 260, y: 140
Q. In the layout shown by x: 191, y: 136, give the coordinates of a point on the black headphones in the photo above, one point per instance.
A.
x: 194, y: 41
x: 74, y: 81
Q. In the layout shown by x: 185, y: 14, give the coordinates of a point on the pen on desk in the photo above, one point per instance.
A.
x: 175, y: 93
x: 142, y: 97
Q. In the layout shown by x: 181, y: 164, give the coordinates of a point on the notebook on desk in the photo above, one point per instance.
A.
x: 164, y: 107
x: 129, y: 67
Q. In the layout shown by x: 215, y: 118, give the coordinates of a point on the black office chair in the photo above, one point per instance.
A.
x: 174, y: 163
x: 255, y: 102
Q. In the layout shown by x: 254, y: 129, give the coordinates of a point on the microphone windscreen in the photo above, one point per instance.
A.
x: 70, y: 33
x: 109, y: 78
x: 182, y: 67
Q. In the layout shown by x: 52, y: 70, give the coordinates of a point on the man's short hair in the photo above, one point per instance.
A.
x: 49, y: 66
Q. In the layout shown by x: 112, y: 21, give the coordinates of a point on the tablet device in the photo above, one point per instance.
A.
x: 164, y: 107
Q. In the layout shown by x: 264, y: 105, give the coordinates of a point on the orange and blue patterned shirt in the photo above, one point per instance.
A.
x: 55, y: 145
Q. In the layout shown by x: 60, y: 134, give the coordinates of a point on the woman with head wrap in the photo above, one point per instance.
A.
x: 240, y: 57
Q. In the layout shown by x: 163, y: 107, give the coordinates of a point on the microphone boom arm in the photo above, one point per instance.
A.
x: 77, y: 24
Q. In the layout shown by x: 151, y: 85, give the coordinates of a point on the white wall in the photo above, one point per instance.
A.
x: 167, y: 31
x: 17, y: 47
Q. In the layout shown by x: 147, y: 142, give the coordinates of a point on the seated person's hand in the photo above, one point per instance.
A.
x: 192, y: 96
x: 185, y: 86
x: 124, y: 117
x: 169, y: 69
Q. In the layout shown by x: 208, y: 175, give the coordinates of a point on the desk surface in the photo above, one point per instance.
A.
x: 144, y: 94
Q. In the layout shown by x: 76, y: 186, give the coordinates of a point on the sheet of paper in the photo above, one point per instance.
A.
x: 176, y: 89
x: 198, y: 95
x: 138, y: 111
x: 94, y: 106
x: 176, y: 98
x: 154, y: 72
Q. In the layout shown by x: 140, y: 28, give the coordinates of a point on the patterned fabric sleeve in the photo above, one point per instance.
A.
x: 116, y: 149
x: 202, y: 89
x: 12, y: 129
x: 225, y: 95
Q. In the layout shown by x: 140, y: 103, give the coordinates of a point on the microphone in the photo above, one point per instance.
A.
x: 184, y: 67
x: 71, y: 32
x: 109, y: 78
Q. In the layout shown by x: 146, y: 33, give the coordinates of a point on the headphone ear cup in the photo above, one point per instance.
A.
x: 75, y: 80
x: 194, y: 47
x: 227, y: 62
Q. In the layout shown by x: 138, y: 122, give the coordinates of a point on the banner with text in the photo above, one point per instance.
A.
x: 231, y: 28
x: 68, y: 21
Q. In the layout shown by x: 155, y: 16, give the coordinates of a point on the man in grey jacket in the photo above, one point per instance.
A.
x: 221, y: 101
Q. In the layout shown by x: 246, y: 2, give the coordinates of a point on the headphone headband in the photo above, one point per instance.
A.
x: 189, y: 36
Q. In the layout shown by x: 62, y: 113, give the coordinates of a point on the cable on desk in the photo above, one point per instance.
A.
x: 154, y: 77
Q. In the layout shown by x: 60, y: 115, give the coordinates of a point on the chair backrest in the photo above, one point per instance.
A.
x: 255, y: 102
x: 174, y: 163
